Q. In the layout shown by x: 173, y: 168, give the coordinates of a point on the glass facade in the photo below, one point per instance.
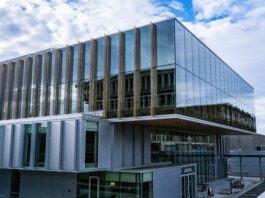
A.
x: 115, y: 184
x: 27, y: 144
x: 91, y: 158
x: 185, y: 148
x: 40, y: 152
x: 15, y: 184
x: 189, y: 79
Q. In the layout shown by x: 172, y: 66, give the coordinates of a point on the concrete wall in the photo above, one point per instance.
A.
x: 47, y: 185
x: 245, y: 142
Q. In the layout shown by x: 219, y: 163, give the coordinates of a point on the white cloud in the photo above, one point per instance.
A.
x: 260, y: 113
x: 31, y: 25
x: 176, y: 5
x: 238, y: 38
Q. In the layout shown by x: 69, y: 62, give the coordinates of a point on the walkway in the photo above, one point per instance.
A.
x: 218, y: 185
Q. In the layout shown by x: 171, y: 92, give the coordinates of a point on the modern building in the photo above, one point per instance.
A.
x: 137, y: 114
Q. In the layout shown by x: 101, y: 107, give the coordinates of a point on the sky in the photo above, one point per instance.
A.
x: 234, y: 29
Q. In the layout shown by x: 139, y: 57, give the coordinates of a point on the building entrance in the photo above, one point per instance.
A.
x: 93, y: 187
x: 188, y: 186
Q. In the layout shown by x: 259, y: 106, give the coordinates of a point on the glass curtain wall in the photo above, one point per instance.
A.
x: 91, y: 157
x: 185, y: 148
x: 27, y: 144
x: 189, y: 76
x: 85, y: 86
x: 114, y: 69
x: 165, y: 67
x: 40, y: 152
x: 206, y: 88
x: 129, y: 68
x: 51, y: 84
x: 145, y: 64
x: 100, y: 74
x: 117, y: 184
x: 62, y: 85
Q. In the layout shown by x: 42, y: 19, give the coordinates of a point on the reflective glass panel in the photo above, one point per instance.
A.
x: 145, y: 47
x: 75, y: 62
x: 40, y: 152
x: 100, y: 69
x: 129, y: 51
x: 27, y: 144
x: 165, y: 42
x: 180, y: 44
x: 87, y: 61
x: 114, y: 54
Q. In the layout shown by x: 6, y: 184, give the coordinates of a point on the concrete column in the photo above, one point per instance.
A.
x: 136, y: 74
x: 106, y: 79
x: 46, y: 83
x: 57, y: 81
x: 80, y: 77
x: 153, y: 74
x: 93, y: 75
x: 121, y: 76
x: 26, y: 100
x: 36, y: 85
x: 3, y: 68
x: 68, y: 79
x: 9, y: 90
x: 17, y: 89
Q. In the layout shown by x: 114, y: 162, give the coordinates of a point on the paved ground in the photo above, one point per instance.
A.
x: 236, y: 193
x: 256, y: 192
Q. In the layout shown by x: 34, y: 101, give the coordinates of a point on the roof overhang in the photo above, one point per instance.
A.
x: 183, y: 123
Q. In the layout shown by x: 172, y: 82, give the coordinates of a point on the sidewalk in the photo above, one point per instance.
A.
x: 217, y: 185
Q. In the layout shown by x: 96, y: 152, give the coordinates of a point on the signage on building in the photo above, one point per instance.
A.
x: 187, y: 170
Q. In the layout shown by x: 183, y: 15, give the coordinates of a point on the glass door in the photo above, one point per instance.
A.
x: 93, y: 187
x: 188, y: 186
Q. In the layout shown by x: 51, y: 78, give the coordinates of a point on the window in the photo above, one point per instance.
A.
x: 15, y: 184
x: 27, y: 145
x: 91, y: 158
x: 40, y: 144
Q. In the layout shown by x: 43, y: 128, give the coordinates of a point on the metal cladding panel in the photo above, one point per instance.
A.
x: 18, y: 146
x: 147, y: 147
x: 81, y: 146
x: 128, y: 150
x: 7, y: 148
x: 138, y: 147
x: 165, y: 182
x: 69, y: 145
x: 117, y: 149
x: 55, y: 146
x: 104, y: 144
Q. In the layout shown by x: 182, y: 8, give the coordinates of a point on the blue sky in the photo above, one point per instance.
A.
x: 234, y: 29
